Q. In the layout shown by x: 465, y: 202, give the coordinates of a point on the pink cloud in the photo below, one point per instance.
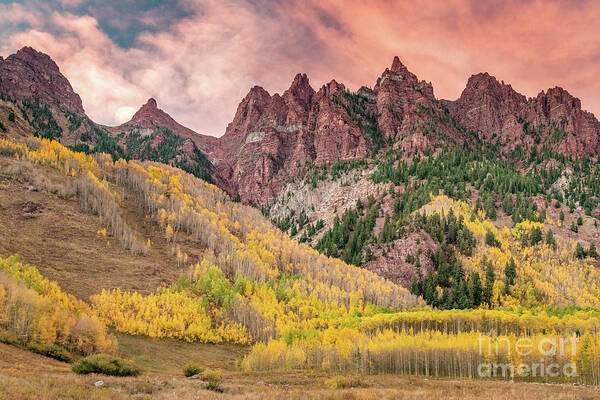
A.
x: 201, y: 66
x: 16, y: 13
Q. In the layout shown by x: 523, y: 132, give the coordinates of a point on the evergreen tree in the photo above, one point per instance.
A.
x: 368, y: 254
x: 550, y: 241
x: 510, y: 271
x: 574, y: 227
x: 488, y: 291
x: 489, y: 206
x: 359, y: 206
x: 592, y: 251
x: 475, y: 289
x: 387, y: 232
x: 579, y: 251
x: 490, y: 239
x: 507, y: 204
x: 535, y: 236
x: 461, y: 296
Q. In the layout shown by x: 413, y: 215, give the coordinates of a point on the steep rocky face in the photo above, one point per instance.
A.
x: 554, y: 118
x: 273, y: 138
x: 336, y: 134
x: 298, y: 99
x: 247, y: 117
x: 558, y: 118
x: 489, y: 107
x: 29, y: 74
x: 397, y: 91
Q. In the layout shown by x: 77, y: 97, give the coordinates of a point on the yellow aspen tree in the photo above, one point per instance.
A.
x: 169, y: 234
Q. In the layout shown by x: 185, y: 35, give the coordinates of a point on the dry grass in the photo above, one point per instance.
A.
x: 168, y: 356
x: 52, y: 232
x: 17, y: 129
x: 24, y: 375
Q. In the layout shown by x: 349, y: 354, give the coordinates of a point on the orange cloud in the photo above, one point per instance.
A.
x: 202, y: 65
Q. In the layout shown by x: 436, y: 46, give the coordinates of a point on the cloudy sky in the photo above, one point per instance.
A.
x: 198, y: 58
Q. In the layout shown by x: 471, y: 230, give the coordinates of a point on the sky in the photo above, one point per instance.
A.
x: 199, y: 58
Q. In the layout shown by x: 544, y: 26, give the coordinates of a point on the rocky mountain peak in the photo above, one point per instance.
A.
x: 300, y: 83
x: 496, y: 110
x: 484, y: 84
x: 248, y: 113
x: 298, y: 99
x: 330, y: 88
x: 481, y: 82
x: 397, y: 65
x: 149, y: 111
x: 257, y: 92
x: 30, y: 74
x: 397, y: 73
x: 151, y: 103
x: 557, y: 96
x: 149, y: 116
x: 35, y: 58
x: 300, y: 89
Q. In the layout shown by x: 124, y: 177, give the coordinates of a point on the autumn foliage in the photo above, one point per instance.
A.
x: 249, y: 283
x: 35, y: 312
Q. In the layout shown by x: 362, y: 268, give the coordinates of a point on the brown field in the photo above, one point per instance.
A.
x: 25, y: 375
x: 54, y: 233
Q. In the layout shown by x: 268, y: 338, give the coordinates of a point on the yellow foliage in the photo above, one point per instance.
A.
x: 169, y: 232
x: 544, y: 275
x: 38, y: 312
x: 167, y: 313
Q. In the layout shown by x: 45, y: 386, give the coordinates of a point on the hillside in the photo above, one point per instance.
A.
x: 248, y: 283
x: 153, y: 221
x: 317, y: 162
x: 345, y: 172
x: 33, y: 82
x: 390, y: 232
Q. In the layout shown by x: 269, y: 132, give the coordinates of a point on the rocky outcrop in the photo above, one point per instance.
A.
x: 489, y: 107
x: 29, y: 74
x: 277, y: 138
x: 553, y: 118
x: 558, y: 118
x: 272, y: 138
x: 392, y: 260
x: 397, y: 91
x: 149, y: 117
